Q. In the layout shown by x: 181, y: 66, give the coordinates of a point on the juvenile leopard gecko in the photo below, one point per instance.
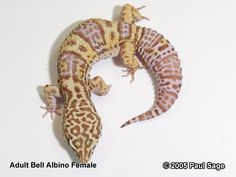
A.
x: 96, y: 39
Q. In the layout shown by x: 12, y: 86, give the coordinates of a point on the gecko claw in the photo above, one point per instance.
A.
x: 127, y: 73
x: 139, y: 8
x: 51, y: 111
x: 145, y: 18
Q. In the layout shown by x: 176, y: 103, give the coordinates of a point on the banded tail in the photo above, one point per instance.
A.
x: 162, y: 59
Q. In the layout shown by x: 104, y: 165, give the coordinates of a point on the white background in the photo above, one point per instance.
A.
x: 200, y: 127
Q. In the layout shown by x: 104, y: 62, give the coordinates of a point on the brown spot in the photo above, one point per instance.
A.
x: 78, y: 144
x: 91, y: 129
x: 79, y: 95
x: 75, y: 78
x: 149, y: 113
x: 85, y: 126
x: 172, y: 101
x: 166, y: 97
x: 112, y: 35
x: 167, y: 83
x: 163, y: 102
x: 141, y: 117
x: 173, y: 94
x: 150, y: 50
x: 80, y: 114
x: 168, y: 71
x: 154, y: 61
x: 161, y: 106
x: 77, y: 89
x: 67, y: 92
x: 158, y: 39
x: 90, y: 116
x: 75, y: 130
x: 162, y: 47
x: 155, y: 53
x: 70, y: 42
x: 82, y: 48
x: 108, y: 23
x: 174, y: 77
x: 174, y: 86
x: 86, y: 109
x: 73, y: 103
x: 156, y: 111
x: 77, y: 121
x: 83, y: 103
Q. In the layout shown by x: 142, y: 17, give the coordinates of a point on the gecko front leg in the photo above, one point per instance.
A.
x: 53, y: 100
x: 98, y: 86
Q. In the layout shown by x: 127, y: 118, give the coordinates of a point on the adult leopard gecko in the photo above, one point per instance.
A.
x: 96, y: 39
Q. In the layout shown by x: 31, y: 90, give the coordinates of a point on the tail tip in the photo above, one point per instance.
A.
x: 124, y: 125
x: 131, y: 121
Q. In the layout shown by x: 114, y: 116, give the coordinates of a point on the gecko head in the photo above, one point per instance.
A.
x: 131, y: 15
x: 83, y: 147
x: 82, y: 136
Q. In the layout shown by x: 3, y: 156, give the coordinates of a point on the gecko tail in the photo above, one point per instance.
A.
x: 152, y: 113
x: 131, y: 121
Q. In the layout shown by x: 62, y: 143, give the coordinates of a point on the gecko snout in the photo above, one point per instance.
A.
x: 83, y: 155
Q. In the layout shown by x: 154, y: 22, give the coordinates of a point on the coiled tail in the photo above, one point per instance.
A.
x: 162, y: 59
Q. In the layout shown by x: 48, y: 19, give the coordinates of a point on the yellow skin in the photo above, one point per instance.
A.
x: 91, y: 41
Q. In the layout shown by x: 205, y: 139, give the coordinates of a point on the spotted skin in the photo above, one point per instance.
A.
x: 91, y: 41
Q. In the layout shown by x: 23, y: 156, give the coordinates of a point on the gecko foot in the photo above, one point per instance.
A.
x: 51, y: 110
x: 128, y: 72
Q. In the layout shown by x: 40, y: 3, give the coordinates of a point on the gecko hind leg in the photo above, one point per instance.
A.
x: 129, y: 59
x: 98, y: 86
x: 53, y: 100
